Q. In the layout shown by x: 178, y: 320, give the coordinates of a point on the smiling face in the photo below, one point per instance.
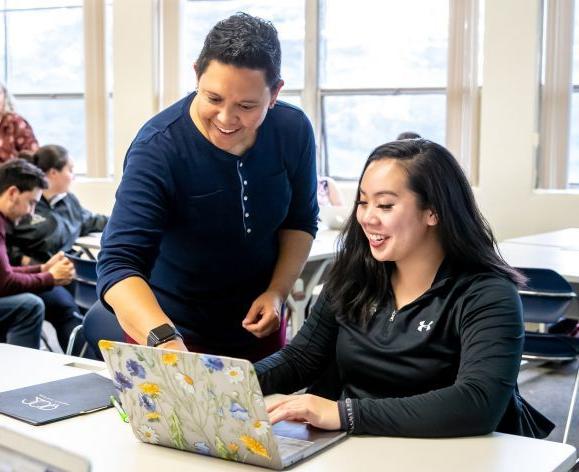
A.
x: 390, y: 215
x: 230, y: 105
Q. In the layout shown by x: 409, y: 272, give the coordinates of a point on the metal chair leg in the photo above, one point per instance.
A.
x: 71, y: 339
x: 571, y: 408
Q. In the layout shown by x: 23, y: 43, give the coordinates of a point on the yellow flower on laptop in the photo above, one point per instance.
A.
x: 169, y: 358
x: 106, y: 345
x: 154, y: 416
x: 148, y: 434
x: 234, y: 374
x: 253, y: 445
x: 150, y: 389
x: 186, y: 382
x: 260, y: 427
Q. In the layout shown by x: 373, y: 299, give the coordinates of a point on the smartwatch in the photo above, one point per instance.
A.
x: 162, y: 334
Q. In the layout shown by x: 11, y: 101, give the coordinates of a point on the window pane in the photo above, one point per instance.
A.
x: 295, y: 100
x: 58, y: 122
x: 576, y: 47
x: 574, y: 143
x: 355, y: 125
x: 45, y: 51
x: 28, y: 4
x: 286, y: 15
x: 384, y: 44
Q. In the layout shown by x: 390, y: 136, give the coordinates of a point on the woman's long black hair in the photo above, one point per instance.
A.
x: 358, y: 282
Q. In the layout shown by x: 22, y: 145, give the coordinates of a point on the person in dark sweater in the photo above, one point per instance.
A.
x: 216, y: 211
x: 21, y: 184
x: 418, y: 331
x: 59, y: 219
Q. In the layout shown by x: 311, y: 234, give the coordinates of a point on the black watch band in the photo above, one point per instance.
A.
x: 162, y: 334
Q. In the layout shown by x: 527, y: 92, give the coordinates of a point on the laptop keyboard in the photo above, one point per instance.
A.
x: 288, y: 446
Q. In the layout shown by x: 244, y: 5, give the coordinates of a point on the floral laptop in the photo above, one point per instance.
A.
x: 205, y: 404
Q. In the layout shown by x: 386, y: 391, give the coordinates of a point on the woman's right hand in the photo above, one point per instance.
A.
x: 62, y: 271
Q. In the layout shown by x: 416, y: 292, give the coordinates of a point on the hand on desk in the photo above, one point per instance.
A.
x: 319, y: 412
x: 263, y: 318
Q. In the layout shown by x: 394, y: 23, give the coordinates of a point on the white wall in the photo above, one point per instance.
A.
x: 509, y: 114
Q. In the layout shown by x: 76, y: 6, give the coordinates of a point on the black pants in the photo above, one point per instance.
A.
x: 61, y: 312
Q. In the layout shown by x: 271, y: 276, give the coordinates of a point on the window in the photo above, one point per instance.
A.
x: 573, y: 179
x: 559, y: 116
x: 42, y: 55
x: 380, y: 77
x: 286, y: 15
x: 368, y: 73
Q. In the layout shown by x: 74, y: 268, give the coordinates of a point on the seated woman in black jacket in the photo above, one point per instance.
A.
x: 418, y: 331
x: 59, y: 218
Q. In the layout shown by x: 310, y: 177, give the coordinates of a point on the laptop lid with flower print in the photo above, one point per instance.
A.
x: 206, y: 404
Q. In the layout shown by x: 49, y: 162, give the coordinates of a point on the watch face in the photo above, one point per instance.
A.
x: 160, y: 334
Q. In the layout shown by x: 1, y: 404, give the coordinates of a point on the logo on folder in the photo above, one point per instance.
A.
x: 44, y: 403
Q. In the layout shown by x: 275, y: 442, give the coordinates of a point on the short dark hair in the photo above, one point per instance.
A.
x: 51, y: 156
x: 439, y: 183
x: 21, y: 174
x: 243, y: 40
x: 408, y: 135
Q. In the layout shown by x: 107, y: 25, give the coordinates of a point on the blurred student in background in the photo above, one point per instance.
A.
x: 59, y: 218
x: 328, y: 192
x: 408, y: 135
x: 16, y: 134
x: 21, y: 185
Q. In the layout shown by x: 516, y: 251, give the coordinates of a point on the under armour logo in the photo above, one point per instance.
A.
x: 424, y: 326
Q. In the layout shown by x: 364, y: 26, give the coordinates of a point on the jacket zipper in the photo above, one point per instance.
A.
x: 393, y: 315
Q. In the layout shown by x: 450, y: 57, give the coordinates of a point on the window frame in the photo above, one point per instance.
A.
x: 556, y: 90
x: 95, y: 95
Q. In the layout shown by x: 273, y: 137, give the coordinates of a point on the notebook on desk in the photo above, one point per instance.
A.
x: 57, y: 400
x: 206, y: 404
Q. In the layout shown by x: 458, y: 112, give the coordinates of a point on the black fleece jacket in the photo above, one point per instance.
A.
x: 444, y: 365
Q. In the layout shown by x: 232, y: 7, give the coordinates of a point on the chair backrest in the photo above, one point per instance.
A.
x: 85, y: 294
x: 546, y: 297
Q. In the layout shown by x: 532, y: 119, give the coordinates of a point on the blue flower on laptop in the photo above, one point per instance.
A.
x: 135, y: 369
x: 122, y: 382
x: 147, y: 402
x: 202, y: 448
x: 234, y: 374
x: 260, y: 427
x: 185, y: 382
x: 212, y: 363
x: 148, y: 434
x: 238, y: 412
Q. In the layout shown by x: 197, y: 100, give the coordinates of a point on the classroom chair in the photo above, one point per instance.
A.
x: 546, y: 300
x: 85, y: 294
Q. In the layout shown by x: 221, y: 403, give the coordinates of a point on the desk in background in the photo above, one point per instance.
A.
x: 567, y: 239
x: 110, y: 445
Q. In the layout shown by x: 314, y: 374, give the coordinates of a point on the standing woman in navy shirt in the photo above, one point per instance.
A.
x: 216, y: 211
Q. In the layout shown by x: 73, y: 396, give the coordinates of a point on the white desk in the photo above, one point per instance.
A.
x: 564, y: 239
x: 563, y: 261
x: 90, y: 244
x: 110, y: 445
